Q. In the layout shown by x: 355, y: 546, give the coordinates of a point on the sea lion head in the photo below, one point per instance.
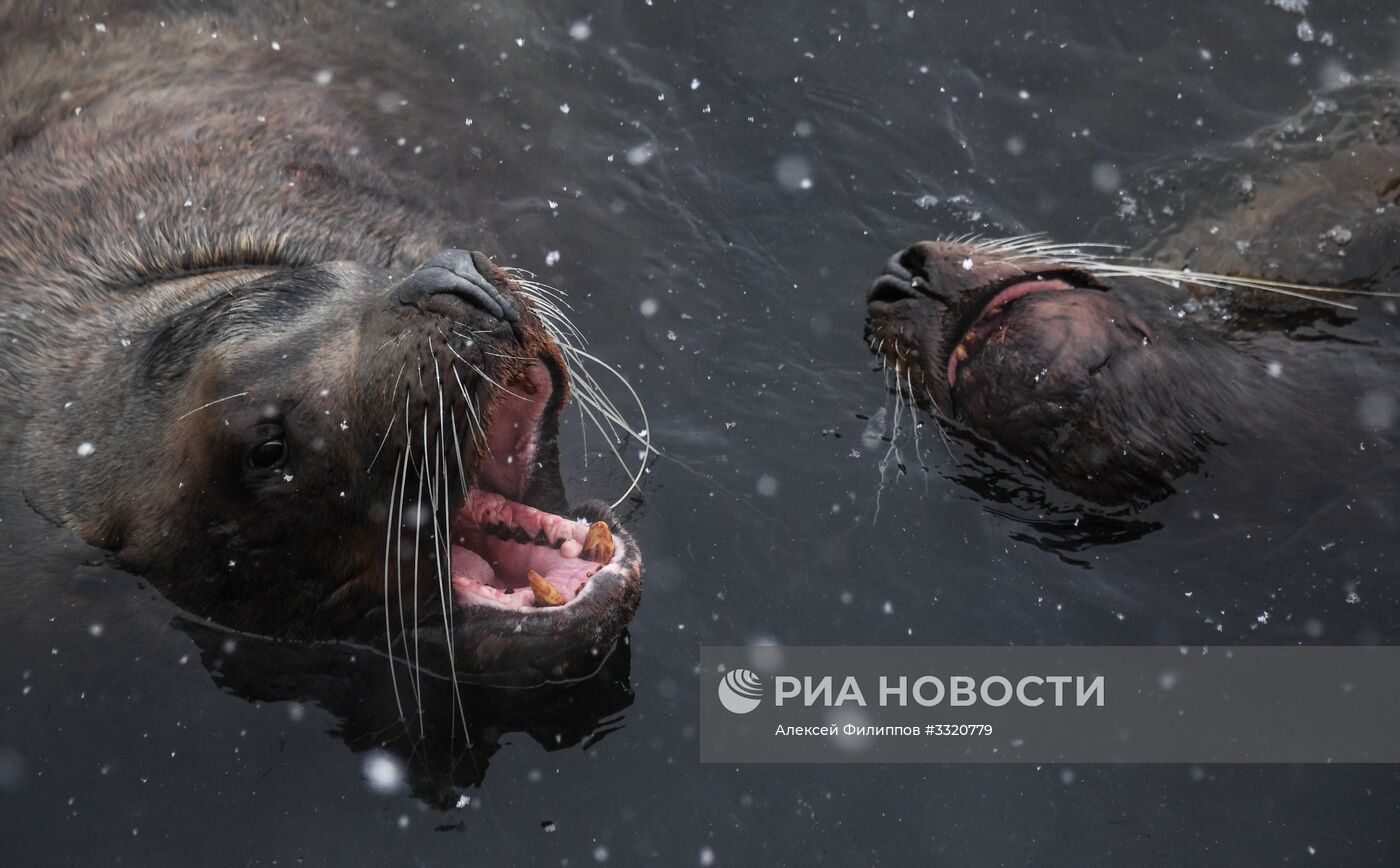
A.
x: 340, y: 452
x: 1047, y: 360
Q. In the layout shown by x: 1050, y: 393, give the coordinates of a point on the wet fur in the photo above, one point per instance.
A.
x: 184, y: 218
x: 1122, y: 434
x: 107, y: 137
x: 1267, y: 206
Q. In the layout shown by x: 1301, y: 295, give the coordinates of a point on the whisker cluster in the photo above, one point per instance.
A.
x: 551, y: 306
x: 1098, y: 260
x: 425, y: 508
x: 426, y: 459
x: 899, y: 384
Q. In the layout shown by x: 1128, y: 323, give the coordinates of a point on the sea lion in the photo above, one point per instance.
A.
x: 245, y: 353
x: 1111, y: 388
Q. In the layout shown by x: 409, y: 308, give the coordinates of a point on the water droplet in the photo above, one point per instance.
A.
x: 640, y: 155
x: 383, y: 772
x: 793, y: 172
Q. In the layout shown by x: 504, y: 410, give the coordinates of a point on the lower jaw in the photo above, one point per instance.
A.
x: 537, y: 645
x: 495, y: 647
x: 527, y: 644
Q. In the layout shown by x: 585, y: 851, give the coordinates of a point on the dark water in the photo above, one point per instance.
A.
x: 726, y: 181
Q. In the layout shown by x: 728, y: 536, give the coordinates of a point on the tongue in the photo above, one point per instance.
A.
x: 469, y: 566
x: 474, y: 582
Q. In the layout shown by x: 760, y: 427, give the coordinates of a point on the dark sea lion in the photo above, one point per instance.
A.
x: 1111, y: 388
x: 243, y: 351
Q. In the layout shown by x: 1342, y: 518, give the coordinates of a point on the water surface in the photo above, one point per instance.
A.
x: 724, y: 183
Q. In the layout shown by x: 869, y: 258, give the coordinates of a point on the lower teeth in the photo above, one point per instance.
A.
x: 545, y: 593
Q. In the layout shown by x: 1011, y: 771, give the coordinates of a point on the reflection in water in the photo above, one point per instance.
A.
x: 727, y: 290
x: 1035, y: 511
x: 427, y: 747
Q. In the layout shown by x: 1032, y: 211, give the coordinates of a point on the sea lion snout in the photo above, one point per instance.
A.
x: 913, y: 273
x: 451, y: 283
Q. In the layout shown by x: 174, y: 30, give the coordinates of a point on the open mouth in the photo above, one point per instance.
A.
x: 990, y: 315
x: 507, y: 554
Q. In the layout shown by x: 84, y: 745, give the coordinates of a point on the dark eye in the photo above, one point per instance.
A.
x: 268, y: 454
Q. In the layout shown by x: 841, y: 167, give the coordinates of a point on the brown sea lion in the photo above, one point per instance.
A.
x: 1075, y: 365
x: 243, y: 352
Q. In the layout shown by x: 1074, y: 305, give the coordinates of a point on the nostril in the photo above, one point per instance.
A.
x: 897, y: 281
x: 907, y: 274
x: 482, y: 263
x: 889, y: 289
x: 430, y: 281
x: 896, y: 266
x: 452, y: 283
x: 468, y: 264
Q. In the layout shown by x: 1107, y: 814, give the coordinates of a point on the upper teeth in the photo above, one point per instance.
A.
x: 598, y: 546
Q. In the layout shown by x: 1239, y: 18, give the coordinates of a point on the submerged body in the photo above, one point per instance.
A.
x: 1112, y: 386
x: 247, y: 354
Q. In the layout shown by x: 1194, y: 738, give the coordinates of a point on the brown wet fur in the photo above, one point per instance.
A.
x: 1272, y: 212
x: 1104, y: 390
x: 184, y: 218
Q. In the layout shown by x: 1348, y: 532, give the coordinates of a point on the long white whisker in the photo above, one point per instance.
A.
x: 388, y: 629
x: 618, y: 456
x: 938, y: 420
x: 403, y: 624
x: 423, y: 473
x: 549, y: 304
x: 472, y: 415
x: 442, y: 534
x: 1172, y: 277
x: 914, y: 419
x: 210, y: 404
x: 398, y: 561
x: 457, y: 443
x: 588, y: 394
x: 894, y: 425
x: 1082, y: 255
x: 392, y: 419
x: 482, y: 374
x: 643, y: 437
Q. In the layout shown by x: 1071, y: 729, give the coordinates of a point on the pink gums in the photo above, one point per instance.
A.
x: 980, y: 327
x: 512, y: 438
x: 488, y: 570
